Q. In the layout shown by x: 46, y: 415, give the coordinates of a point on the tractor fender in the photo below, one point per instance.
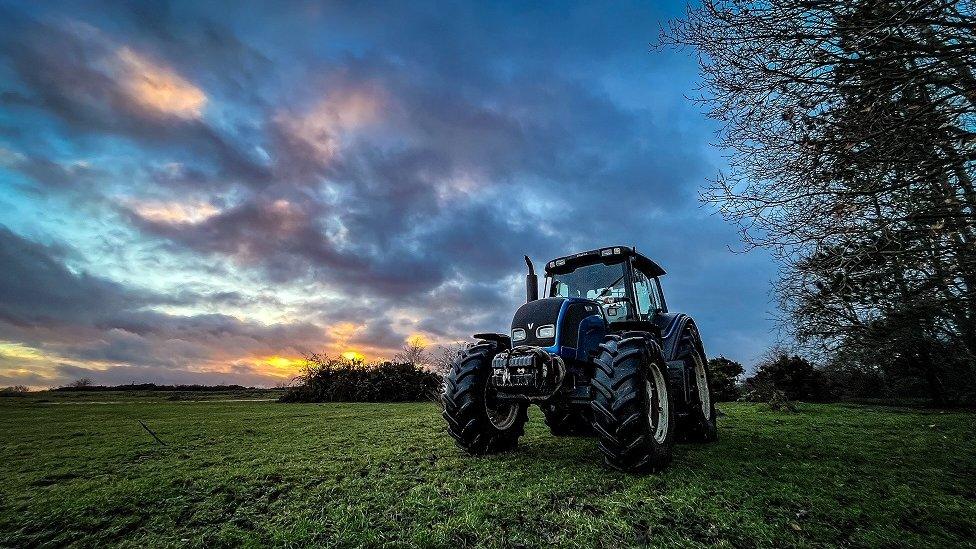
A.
x: 675, y: 327
x: 505, y: 341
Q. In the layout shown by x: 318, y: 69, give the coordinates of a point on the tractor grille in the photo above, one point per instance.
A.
x: 515, y: 371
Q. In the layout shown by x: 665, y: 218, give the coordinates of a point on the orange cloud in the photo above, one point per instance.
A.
x: 174, y: 212
x: 278, y: 367
x: 341, y: 332
x: 158, y: 88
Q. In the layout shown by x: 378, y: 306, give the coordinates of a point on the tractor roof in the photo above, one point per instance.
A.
x: 611, y: 254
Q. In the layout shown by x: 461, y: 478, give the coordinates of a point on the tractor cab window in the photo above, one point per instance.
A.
x: 648, y: 299
x: 604, y: 283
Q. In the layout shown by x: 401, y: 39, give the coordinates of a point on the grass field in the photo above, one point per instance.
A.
x: 83, y: 470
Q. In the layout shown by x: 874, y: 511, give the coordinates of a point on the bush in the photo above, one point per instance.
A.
x: 722, y: 376
x: 326, y: 379
x: 793, y: 376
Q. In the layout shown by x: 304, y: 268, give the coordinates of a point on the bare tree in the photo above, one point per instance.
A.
x: 850, y: 126
x: 443, y: 357
x: 81, y: 383
x: 414, y: 352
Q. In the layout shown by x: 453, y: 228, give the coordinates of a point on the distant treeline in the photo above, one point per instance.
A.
x: 153, y: 387
x: 782, y: 376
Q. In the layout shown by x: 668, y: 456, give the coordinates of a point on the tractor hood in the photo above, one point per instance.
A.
x: 554, y: 322
x: 534, y: 315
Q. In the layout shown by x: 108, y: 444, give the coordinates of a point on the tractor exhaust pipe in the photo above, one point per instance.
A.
x: 531, y: 283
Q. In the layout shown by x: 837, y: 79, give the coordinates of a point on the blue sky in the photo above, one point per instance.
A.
x: 197, y: 192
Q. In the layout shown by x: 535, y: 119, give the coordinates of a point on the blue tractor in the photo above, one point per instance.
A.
x: 600, y: 355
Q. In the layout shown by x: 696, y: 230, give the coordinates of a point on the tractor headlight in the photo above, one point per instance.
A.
x: 545, y: 332
x: 518, y: 334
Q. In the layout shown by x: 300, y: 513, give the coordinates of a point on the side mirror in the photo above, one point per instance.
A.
x: 531, y: 283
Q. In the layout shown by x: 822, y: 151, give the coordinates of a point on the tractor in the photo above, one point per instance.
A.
x: 599, y: 353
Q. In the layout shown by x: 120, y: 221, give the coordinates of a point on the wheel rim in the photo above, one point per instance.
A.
x: 501, y: 416
x: 702, y: 381
x: 657, y: 409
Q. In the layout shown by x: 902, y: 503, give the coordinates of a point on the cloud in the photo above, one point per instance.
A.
x: 349, y: 175
x: 315, y: 137
x: 50, y: 315
x: 51, y: 173
x: 95, y: 87
x: 156, y: 87
x: 36, y: 287
x: 173, y: 212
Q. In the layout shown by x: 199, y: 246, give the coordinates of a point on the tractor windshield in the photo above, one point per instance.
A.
x: 604, y: 283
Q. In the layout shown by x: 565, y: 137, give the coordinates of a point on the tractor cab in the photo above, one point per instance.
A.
x: 624, y: 283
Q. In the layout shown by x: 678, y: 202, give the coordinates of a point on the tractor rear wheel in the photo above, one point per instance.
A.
x: 702, y: 427
x: 568, y: 421
x: 633, y: 406
x: 478, y: 422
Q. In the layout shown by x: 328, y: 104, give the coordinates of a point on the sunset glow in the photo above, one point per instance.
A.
x: 283, y: 363
x: 353, y: 356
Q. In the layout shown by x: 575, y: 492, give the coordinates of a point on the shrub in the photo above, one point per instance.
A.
x: 328, y: 379
x: 722, y: 376
x: 81, y: 383
x: 793, y: 376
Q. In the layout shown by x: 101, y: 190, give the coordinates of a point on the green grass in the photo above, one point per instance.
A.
x: 262, y: 473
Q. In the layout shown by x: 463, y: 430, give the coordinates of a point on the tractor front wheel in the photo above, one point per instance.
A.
x: 476, y: 419
x: 633, y: 407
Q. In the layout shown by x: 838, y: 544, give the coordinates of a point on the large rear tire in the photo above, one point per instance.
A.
x: 701, y: 418
x: 633, y: 408
x: 567, y: 421
x: 477, y: 422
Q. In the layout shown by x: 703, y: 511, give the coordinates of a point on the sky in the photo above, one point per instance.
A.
x: 196, y: 192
